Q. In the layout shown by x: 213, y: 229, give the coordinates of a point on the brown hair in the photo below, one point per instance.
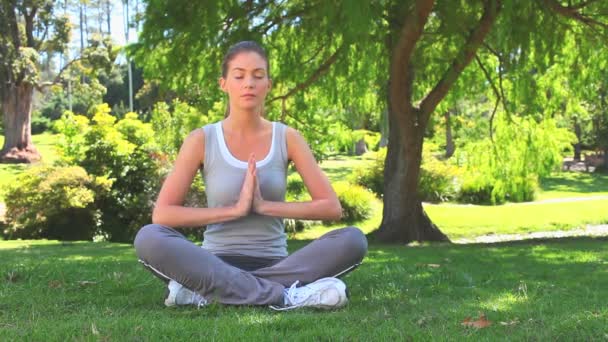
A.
x: 234, y: 50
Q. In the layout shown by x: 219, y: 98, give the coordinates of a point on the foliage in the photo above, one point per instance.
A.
x: 172, y: 123
x: 85, y: 96
x: 54, y: 203
x: 508, y: 169
x: 40, y: 123
x: 124, y: 152
x: 356, y: 201
x: 439, y: 180
x: 372, y: 176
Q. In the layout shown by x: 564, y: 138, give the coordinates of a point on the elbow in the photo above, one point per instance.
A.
x: 157, y: 217
x: 336, y: 211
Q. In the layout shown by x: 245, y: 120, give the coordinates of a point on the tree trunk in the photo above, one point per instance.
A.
x: 449, y: 137
x: 577, y: 146
x: 360, y: 147
x: 17, y: 108
x: 404, y: 219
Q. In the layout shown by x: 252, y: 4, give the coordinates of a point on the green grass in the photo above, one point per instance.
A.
x: 340, y: 167
x: 549, y: 291
x: 573, y: 184
x: 45, y: 143
x: 465, y: 221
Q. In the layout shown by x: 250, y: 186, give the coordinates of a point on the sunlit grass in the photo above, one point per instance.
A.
x: 529, y: 291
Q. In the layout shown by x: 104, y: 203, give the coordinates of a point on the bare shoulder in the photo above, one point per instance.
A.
x: 297, y: 147
x: 193, y: 147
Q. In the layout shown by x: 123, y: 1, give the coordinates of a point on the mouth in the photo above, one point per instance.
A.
x: 248, y: 96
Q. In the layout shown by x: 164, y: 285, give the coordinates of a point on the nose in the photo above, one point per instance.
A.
x: 249, y: 82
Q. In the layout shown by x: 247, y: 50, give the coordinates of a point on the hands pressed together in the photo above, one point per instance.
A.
x: 250, y: 199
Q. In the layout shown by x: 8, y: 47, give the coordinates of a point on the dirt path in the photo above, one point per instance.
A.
x: 589, y: 230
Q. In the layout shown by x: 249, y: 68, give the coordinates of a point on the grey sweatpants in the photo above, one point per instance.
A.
x: 169, y: 254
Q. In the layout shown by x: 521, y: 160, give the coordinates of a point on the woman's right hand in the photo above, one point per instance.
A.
x: 243, y: 205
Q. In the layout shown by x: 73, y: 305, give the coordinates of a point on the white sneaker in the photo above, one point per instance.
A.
x: 325, y: 293
x: 179, y: 295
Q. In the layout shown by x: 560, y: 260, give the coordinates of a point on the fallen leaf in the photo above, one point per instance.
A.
x: 55, y: 284
x: 86, y: 282
x: 433, y: 265
x: 94, y: 329
x: 481, y: 322
x: 511, y: 322
x: 12, y: 276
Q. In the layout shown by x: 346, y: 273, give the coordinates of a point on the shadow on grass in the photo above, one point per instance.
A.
x: 544, y: 289
x: 576, y: 182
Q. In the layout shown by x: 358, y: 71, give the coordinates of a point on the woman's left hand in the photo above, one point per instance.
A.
x: 258, y: 201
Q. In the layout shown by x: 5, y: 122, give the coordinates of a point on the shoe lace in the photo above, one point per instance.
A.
x: 299, y: 296
x: 201, y: 302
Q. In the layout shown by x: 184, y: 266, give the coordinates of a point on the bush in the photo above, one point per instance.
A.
x: 438, y: 179
x: 372, y: 176
x: 173, y: 123
x: 508, y: 168
x: 40, y: 123
x: 54, y: 203
x: 125, y: 153
x: 356, y: 201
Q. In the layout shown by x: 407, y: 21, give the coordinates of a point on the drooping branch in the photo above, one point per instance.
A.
x: 573, y: 12
x: 496, y: 93
x: 401, y: 87
x: 500, y: 76
x: 475, y: 39
x: 322, y: 69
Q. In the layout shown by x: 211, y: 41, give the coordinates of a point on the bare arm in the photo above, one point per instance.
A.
x: 169, y: 209
x: 324, y: 204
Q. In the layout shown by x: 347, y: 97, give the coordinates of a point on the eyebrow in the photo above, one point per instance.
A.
x: 242, y: 69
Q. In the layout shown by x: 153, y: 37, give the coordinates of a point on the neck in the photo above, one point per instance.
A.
x: 244, y: 121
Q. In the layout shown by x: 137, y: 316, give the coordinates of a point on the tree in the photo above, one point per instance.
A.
x: 29, y: 28
x: 410, y: 54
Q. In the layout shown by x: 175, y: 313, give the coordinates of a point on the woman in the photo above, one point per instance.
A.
x: 243, y: 259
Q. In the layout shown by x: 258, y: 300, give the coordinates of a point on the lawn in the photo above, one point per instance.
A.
x: 554, y: 290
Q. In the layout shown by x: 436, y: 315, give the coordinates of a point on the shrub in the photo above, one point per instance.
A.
x: 508, y: 168
x: 40, y: 123
x: 356, y: 201
x: 125, y: 153
x: 174, y: 122
x: 438, y: 179
x: 372, y: 176
x: 54, y: 203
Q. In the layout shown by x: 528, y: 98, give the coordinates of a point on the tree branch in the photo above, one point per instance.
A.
x: 573, y: 13
x: 322, y: 69
x: 40, y: 86
x: 14, y: 27
x: 500, y: 75
x: 478, y: 34
x: 489, y: 78
x: 29, y: 26
x: 401, y: 85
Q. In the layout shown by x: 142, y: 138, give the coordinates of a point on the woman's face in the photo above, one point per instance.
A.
x: 247, y: 81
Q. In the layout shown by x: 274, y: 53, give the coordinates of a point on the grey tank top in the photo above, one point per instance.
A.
x: 253, y: 235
